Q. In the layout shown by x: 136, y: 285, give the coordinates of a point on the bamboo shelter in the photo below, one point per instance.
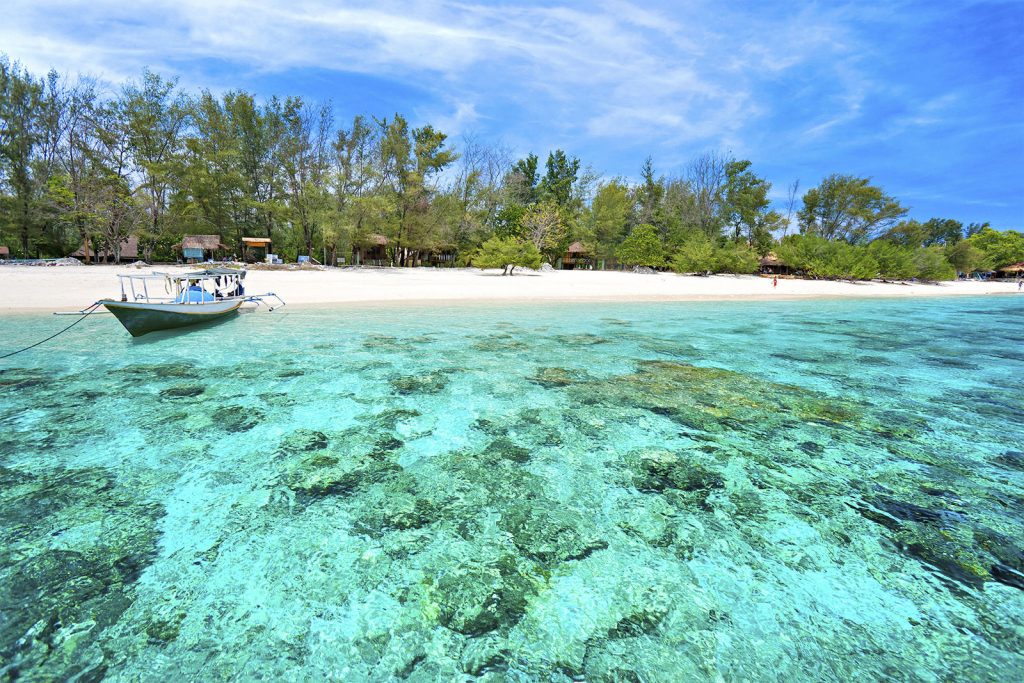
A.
x: 578, y: 256
x: 200, y: 247
x: 1014, y: 270
x: 771, y: 264
x: 372, y: 250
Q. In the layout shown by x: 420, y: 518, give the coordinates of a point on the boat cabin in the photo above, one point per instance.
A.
x: 199, y: 287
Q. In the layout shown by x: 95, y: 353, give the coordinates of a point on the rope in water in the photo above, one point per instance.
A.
x: 86, y: 313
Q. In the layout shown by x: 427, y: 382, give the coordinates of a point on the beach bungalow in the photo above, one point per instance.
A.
x: 5, y: 253
x: 197, y: 248
x: 371, y: 250
x: 771, y: 264
x: 1012, y: 271
x: 577, y: 257
x: 255, y: 249
x: 129, y: 252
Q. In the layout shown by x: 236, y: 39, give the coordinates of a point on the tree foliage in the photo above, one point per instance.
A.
x: 81, y: 166
x: 848, y: 208
x: 507, y: 253
x: 643, y: 247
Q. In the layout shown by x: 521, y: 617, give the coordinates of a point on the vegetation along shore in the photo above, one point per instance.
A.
x: 153, y: 172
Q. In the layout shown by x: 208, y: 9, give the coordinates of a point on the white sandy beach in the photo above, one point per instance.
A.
x: 38, y: 289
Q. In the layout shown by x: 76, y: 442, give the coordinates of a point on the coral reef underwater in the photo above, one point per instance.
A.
x: 644, y: 492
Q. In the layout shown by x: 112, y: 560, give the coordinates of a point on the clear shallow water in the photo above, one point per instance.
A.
x: 649, y: 492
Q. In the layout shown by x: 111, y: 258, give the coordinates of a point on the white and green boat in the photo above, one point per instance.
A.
x: 162, y: 301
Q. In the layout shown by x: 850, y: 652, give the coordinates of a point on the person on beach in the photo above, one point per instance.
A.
x: 775, y: 282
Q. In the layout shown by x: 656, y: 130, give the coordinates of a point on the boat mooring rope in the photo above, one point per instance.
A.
x: 85, y: 314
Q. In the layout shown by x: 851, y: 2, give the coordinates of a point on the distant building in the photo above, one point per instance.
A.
x: 577, y: 256
x: 201, y: 247
x: 255, y: 249
x: 372, y: 250
x: 129, y: 252
x: 1014, y: 270
x: 773, y: 265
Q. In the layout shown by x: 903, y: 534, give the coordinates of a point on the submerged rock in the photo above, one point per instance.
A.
x: 83, y: 541
x: 303, y: 440
x: 477, y: 599
x: 183, y: 391
x: 558, y: 377
x: 1012, y: 459
x: 428, y: 383
x: 323, y: 473
x: 395, y: 511
x: 235, y: 418
x: 658, y: 470
x: 550, y: 532
x: 505, y: 449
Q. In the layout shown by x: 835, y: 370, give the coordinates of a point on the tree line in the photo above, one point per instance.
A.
x: 155, y: 162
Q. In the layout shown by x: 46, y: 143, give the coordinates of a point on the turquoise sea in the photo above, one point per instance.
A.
x: 824, y: 491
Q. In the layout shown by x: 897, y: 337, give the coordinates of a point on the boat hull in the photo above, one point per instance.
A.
x: 143, y: 318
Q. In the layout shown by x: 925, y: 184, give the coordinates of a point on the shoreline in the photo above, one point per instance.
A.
x: 40, y: 289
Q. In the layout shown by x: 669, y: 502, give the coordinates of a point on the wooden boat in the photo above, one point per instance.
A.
x: 186, y: 299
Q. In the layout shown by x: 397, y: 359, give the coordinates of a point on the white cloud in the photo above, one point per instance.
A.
x: 617, y: 68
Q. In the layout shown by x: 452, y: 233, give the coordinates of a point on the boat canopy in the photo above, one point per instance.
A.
x: 199, y: 286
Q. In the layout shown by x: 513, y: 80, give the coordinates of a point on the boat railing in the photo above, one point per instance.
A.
x: 178, y: 285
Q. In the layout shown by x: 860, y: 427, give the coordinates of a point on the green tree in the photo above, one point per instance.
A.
x: 931, y: 264
x: 650, y: 195
x: 557, y: 183
x: 409, y: 162
x: 745, y: 200
x: 1000, y: 247
x: 507, y: 253
x: 964, y: 256
x: 736, y: 258
x: 695, y: 255
x: 522, y: 181
x: 610, y: 211
x: 894, y: 259
x: 304, y: 155
x: 21, y: 98
x: 544, y: 225
x: 154, y: 116
x: 643, y: 247
x: 848, y: 208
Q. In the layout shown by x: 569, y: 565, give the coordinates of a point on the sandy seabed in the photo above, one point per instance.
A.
x: 37, y: 289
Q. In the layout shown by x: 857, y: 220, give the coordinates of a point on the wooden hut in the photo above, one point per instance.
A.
x: 1014, y: 270
x: 5, y: 253
x: 371, y: 250
x: 201, y: 247
x: 771, y: 264
x: 255, y: 249
x: 129, y: 252
x: 577, y: 256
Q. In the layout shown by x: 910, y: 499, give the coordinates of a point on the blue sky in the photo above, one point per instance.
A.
x: 927, y: 98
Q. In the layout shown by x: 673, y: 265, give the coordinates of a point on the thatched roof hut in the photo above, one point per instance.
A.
x: 370, y: 250
x: 129, y: 251
x: 204, y: 242
x: 375, y: 240
x: 578, y: 248
x: 1012, y: 270
x: 771, y: 264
